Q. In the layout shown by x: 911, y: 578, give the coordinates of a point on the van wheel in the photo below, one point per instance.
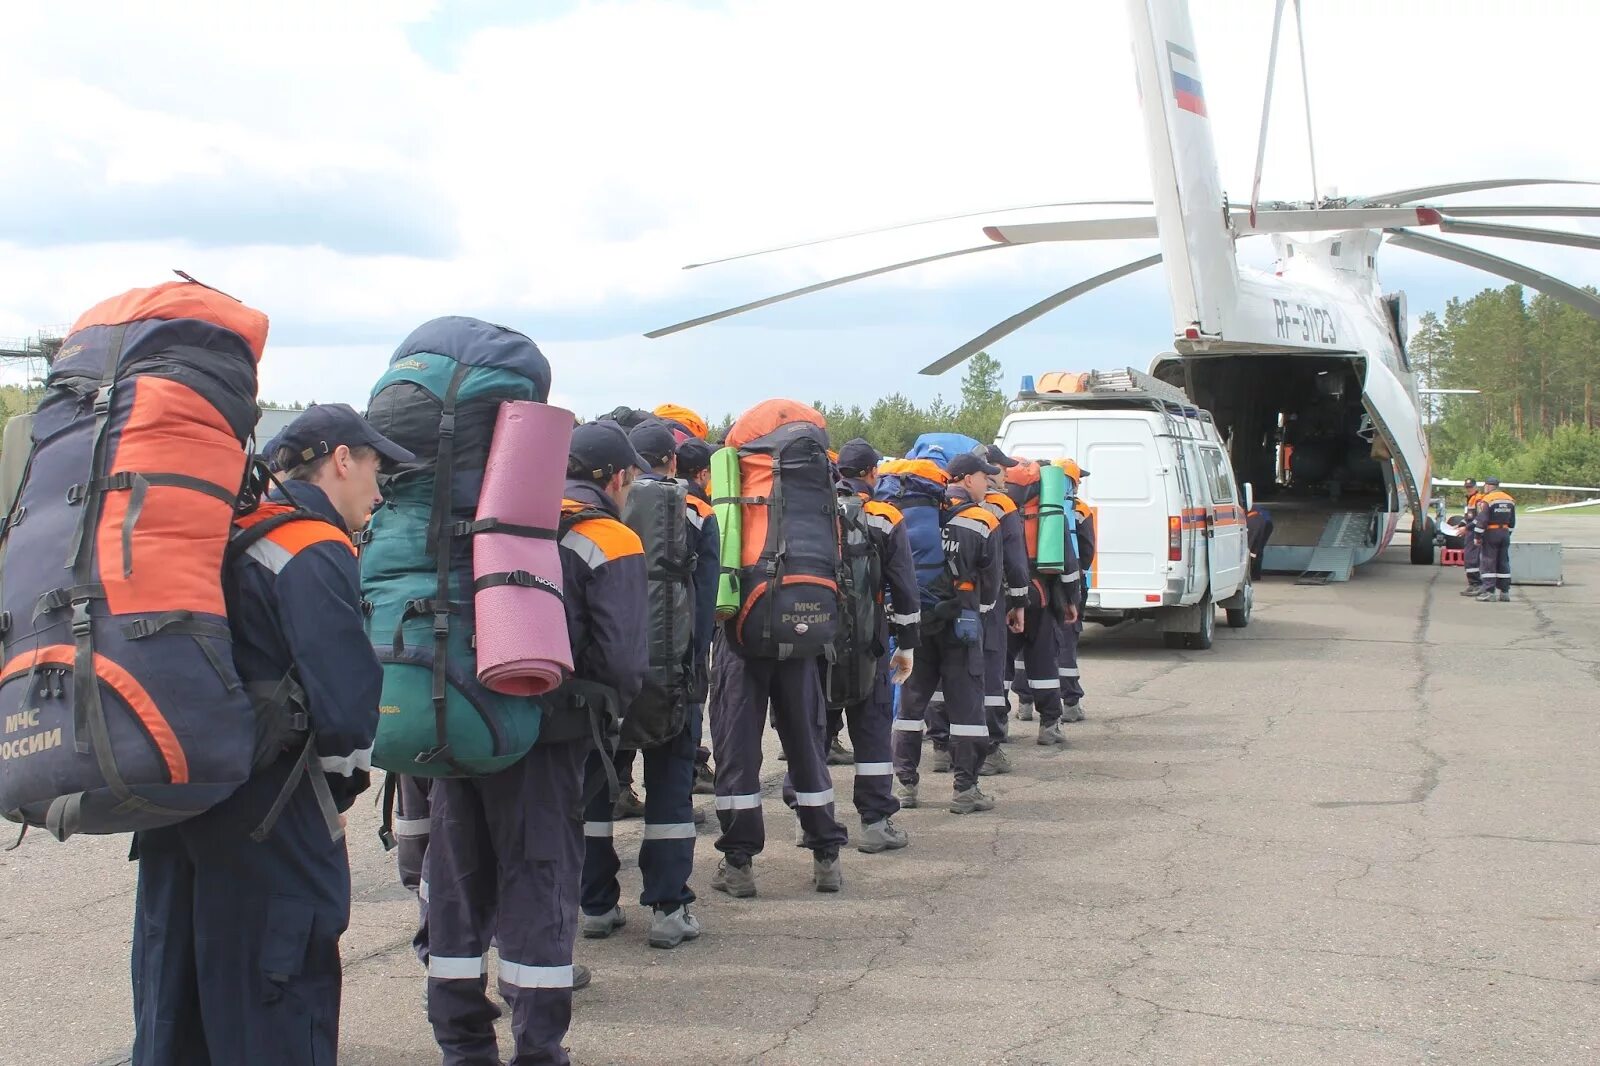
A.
x: 1422, y: 538
x: 1239, y: 617
x: 1201, y: 641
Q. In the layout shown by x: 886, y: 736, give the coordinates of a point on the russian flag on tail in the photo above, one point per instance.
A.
x: 1185, y: 79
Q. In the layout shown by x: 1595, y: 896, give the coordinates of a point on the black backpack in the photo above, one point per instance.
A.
x: 857, y: 651
x: 656, y: 510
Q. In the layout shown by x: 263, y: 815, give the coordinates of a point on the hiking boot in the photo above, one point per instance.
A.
x: 997, y: 762
x: 906, y: 794
x: 600, y: 926
x: 668, y: 929
x: 1024, y: 710
x: 628, y: 805
x: 1072, y: 712
x: 839, y: 755
x: 1050, y: 734
x: 699, y: 816
x: 705, y: 781
x: 1505, y: 597
x: 882, y: 836
x: 826, y: 874
x: 970, y: 801
x: 737, y: 881
x: 941, y: 760
x: 1472, y: 590
x: 580, y: 976
x: 1486, y: 597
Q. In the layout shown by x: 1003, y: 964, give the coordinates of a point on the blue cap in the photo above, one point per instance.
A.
x: 1491, y: 481
x: 322, y: 427
x: 694, y: 455
x: 966, y: 463
x: 600, y: 449
x: 998, y: 457
x: 857, y: 454
x: 654, y: 441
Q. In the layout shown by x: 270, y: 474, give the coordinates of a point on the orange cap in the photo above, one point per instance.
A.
x: 691, y: 421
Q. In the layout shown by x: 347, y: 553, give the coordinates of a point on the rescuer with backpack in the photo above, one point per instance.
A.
x: 679, y: 535
x: 1081, y: 535
x: 861, y: 679
x: 1054, y: 596
x: 505, y: 857
x: 694, y: 470
x: 777, y: 513
x: 957, y: 574
x: 236, y: 935
x: 1014, y: 571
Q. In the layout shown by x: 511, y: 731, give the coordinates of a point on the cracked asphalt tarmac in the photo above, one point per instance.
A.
x: 1362, y: 830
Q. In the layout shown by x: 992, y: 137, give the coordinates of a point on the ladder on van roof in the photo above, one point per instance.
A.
x: 1124, y: 384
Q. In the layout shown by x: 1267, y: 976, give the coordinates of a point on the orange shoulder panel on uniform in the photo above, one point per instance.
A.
x: 701, y: 507
x: 1082, y: 508
x: 1002, y: 501
x: 981, y: 514
x: 294, y: 537
x: 614, y: 539
x: 884, y: 510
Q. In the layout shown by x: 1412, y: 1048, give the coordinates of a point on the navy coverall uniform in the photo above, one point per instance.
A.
x: 1069, y: 671
x: 1041, y: 652
x: 666, y: 855
x: 943, y: 661
x: 1472, y: 543
x: 1258, y: 531
x: 1497, y: 517
x: 506, y: 850
x: 871, y: 720
x: 996, y: 637
x: 236, y: 943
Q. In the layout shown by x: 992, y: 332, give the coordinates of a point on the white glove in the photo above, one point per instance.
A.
x: 900, y: 666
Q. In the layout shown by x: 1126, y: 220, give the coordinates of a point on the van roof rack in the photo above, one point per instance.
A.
x: 1111, y: 388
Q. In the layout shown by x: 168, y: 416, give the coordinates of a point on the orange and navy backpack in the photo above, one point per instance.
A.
x: 789, y: 522
x: 120, y: 708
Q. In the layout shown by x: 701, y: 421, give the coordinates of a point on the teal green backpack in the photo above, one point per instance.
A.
x: 440, y: 398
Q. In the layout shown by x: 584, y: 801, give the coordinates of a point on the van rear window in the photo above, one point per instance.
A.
x: 1217, y: 471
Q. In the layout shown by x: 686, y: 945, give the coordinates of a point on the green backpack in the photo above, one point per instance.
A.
x: 440, y: 398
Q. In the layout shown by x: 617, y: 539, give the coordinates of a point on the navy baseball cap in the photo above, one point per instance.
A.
x: 857, y: 454
x: 322, y: 427
x: 600, y: 449
x: 998, y: 457
x: 654, y: 441
x: 694, y: 455
x: 1491, y: 481
x: 966, y: 463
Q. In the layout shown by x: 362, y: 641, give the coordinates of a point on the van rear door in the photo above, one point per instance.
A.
x: 1228, y: 529
x: 1128, y: 495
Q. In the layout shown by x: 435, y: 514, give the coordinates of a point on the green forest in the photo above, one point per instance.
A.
x: 1537, y: 364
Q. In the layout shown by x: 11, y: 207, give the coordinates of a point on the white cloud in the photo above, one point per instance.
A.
x: 585, y: 156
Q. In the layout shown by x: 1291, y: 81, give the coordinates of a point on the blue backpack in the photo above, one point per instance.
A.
x: 916, y: 487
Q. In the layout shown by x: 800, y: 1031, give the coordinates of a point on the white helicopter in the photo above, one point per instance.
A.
x: 1304, y: 368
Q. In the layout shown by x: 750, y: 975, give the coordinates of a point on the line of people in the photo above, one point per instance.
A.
x: 933, y: 565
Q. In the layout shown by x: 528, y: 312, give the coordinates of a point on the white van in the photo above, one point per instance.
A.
x: 1169, y: 515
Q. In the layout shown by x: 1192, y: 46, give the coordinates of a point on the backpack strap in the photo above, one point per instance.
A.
x: 440, y: 533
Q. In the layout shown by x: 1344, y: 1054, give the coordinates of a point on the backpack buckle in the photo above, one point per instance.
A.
x: 102, y: 399
x: 81, y: 621
x: 447, y: 426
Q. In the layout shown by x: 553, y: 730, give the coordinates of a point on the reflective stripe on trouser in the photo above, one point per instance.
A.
x: 741, y: 690
x: 1071, y: 681
x: 870, y: 722
x: 503, y: 866
x: 666, y: 854
x: 1471, y: 556
x: 1496, y: 560
x: 996, y: 654
x: 411, y: 826
x: 236, y: 943
x: 943, y: 662
x: 1040, y: 676
x: 1017, y: 672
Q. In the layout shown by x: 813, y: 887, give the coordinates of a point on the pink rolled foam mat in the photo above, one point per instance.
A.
x: 522, y: 628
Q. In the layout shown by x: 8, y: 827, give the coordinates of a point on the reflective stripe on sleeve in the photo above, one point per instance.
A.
x: 1023, y: 591
x: 669, y: 831
x: 912, y: 619
x: 441, y: 968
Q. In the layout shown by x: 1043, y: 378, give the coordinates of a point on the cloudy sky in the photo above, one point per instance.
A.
x: 356, y: 167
